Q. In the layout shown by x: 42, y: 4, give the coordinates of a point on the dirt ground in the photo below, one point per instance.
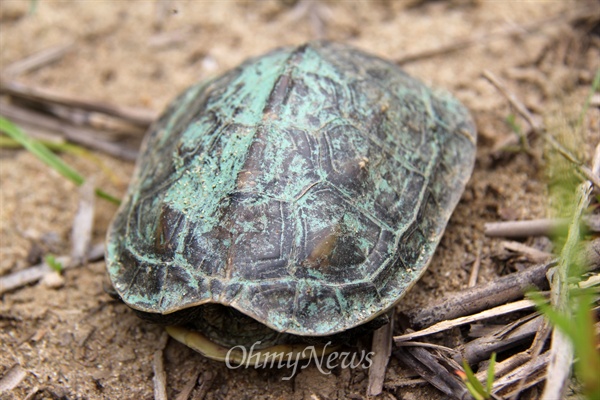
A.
x: 74, y: 341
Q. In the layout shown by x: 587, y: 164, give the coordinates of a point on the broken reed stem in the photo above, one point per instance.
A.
x: 160, y: 376
x: 382, y: 347
x: 596, y: 161
x: 536, y: 227
x: 475, y: 269
x: 452, y: 323
x: 534, y: 352
x: 561, y: 352
x: 434, y: 369
x: 521, y: 229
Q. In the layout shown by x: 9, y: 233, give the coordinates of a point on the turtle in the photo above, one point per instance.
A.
x: 292, y: 200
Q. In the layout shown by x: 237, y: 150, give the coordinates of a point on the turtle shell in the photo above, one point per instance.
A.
x: 307, y: 188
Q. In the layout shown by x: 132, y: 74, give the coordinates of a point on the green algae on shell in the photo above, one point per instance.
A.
x: 306, y: 189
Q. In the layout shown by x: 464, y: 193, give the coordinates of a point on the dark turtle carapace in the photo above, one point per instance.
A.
x: 295, y: 198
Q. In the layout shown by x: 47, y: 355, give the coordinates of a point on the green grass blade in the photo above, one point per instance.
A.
x: 558, y: 319
x: 103, y: 195
x: 54, y: 263
x: 48, y: 157
x: 33, y: 4
x: 472, y: 379
x: 490, y: 374
x: 40, y: 151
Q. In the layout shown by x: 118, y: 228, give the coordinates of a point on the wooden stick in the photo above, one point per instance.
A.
x: 90, y: 138
x: 481, y: 297
x: 475, y: 269
x: 428, y: 346
x: 507, y: 366
x: 206, y: 382
x: 428, y: 366
x: 522, y: 229
x: 382, y: 348
x: 526, y: 371
x: 187, y: 389
x: 448, y: 324
x: 596, y: 162
x: 502, y: 290
x: 83, y: 224
x: 537, y: 126
x: 534, y: 351
x: 137, y: 116
x: 35, y: 273
x: 536, y: 227
x: 37, y: 60
x: 12, y: 378
x: 499, y: 340
x: 160, y: 376
x: 532, y: 254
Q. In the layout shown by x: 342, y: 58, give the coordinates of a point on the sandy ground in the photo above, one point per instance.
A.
x: 75, y: 342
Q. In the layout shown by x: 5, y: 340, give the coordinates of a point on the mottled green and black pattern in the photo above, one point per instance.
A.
x: 307, y: 188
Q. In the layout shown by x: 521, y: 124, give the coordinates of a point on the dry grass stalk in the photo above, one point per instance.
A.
x: 382, y: 347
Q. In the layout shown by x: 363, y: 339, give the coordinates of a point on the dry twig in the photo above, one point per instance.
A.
x: 482, y: 297
x: 136, y: 116
x: 448, y: 324
x: 531, y: 371
x: 532, y: 254
x: 81, y: 135
x: 160, y: 376
x: 12, y: 378
x: 37, y: 60
x: 81, y: 235
x: 537, y: 126
x: 187, y: 389
x: 501, y: 339
x: 596, y: 161
x: 536, y: 227
x: 533, y: 352
x: 435, y: 368
x: 475, y: 269
x: 205, y: 383
x: 382, y: 349
x: 37, y: 272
